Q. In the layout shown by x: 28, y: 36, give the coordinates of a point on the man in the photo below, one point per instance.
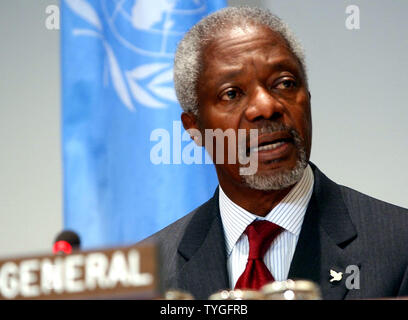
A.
x: 241, y: 68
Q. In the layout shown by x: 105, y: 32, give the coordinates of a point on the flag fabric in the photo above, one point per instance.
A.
x: 120, y: 119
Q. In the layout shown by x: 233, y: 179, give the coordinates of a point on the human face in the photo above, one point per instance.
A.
x: 251, y: 80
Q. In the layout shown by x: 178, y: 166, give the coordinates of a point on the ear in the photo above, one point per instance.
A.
x: 189, y: 121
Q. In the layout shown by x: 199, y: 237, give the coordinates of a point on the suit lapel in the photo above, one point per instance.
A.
x: 324, y: 242
x: 202, y: 253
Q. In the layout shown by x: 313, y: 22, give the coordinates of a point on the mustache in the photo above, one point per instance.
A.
x: 272, y: 127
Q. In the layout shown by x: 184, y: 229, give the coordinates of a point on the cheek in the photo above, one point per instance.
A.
x: 303, y: 118
x: 307, y: 131
x: 216, y: 118
x: 220, y: 138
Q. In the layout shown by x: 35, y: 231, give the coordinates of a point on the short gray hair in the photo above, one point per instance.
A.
x: 188, y: 59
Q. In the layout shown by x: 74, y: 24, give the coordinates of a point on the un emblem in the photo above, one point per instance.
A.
x: 148, y: 31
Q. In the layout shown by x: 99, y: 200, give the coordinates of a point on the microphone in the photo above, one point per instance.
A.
x: 66, y: 242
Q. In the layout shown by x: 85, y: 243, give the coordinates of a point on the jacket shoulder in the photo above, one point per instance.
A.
x: 169, y: 237
x: 172, y: 232
x: 358, y: 201
x: 380, y: 225
x: 168, y: 241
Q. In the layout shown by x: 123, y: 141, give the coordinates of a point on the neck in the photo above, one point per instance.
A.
x: 255, y: 201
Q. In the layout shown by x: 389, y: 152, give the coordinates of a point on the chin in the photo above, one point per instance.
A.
x: 278, y: 176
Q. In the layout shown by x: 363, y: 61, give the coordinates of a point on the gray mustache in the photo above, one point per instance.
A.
x: 279, y: 127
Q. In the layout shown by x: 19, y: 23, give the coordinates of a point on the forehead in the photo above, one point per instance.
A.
x: 236, y: 38
x: 235, y: 47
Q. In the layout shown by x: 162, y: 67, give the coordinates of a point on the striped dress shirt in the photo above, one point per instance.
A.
x: 288, y: 214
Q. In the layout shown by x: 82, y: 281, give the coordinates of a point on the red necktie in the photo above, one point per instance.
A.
x: 260, y: 234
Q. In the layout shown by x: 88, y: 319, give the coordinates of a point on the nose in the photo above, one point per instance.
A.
x: 263, y: 105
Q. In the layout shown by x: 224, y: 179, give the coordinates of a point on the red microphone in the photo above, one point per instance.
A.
x: 66, y: 242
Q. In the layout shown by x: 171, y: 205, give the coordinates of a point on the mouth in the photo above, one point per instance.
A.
x: 272, y: 146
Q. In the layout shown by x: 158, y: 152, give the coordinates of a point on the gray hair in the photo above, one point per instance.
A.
x: 188, y: 59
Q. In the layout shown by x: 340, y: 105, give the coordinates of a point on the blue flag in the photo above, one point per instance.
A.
x: 122, y: 139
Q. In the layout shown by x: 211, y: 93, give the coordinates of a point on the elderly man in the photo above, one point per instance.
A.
x: 241, y: 68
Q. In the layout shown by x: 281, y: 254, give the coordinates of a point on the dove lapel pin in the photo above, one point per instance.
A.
x: 336, y: 276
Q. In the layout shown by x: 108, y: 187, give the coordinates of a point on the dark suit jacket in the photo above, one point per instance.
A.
x: 341, y: 227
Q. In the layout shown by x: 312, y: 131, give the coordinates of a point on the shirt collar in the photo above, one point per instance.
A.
x: 288, y: 214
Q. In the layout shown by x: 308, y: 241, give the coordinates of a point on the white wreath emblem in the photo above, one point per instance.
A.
x: 157, y: 74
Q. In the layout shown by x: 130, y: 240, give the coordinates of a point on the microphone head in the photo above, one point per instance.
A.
x: 65, y: 242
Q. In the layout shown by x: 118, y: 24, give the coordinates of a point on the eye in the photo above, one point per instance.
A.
x: 230, y: 94
x: 287, y: 84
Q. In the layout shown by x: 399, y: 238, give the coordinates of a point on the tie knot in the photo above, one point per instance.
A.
x: 260, y: 234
